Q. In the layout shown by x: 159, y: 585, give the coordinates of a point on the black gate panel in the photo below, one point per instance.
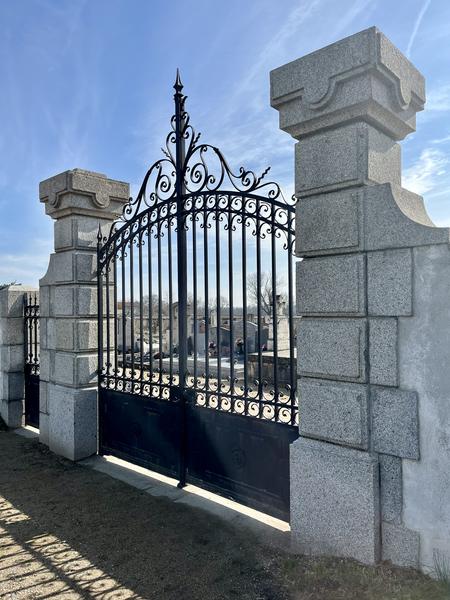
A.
x: 31, y: 397
x: 146, y: 431
x: 241, y: 458
x: 196, y: 331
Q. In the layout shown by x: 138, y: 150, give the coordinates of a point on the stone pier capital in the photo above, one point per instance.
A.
x: 363, y: 77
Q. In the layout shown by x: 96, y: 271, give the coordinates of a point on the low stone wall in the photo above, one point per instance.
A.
x: 12, y: 357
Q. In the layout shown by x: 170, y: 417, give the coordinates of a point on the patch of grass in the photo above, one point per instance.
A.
x: 342, y: 579
x: 441, y: 570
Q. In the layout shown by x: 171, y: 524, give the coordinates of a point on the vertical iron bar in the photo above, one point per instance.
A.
x: 218, y: 309
x: 108, y: 332
x: 35, y: 328
x: 194, y: 274
x: 244, y: 304
x: 116, y: 325
x: 292, y: 364
x: 141, y: 315
x: 206, y: 275
x: 230, y: 292
x: 160, y: 310
x: 274, y: 313
x: 132, y: 340
x: 169, y: 257
x: 124, y: 319
x: 181, y: 233
x: 150, y: 300
x: 258, y: 225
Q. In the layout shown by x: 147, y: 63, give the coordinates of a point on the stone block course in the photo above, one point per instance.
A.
x: 72, y: 421
x: 400, y: 545
x: 86, y: 265
x: 62, y: 300
x: 390, y: 282
x: 332, y: 349
x: 334, y: 412
x: 322, y: 165
x: 331, y: 285
x: 383, y: 351
x: 391, y: 487
x: 334, y: 500
x: 329, y: 223
x: 395, y: 425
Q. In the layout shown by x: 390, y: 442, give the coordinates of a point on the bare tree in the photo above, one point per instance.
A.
x: 264, y: 291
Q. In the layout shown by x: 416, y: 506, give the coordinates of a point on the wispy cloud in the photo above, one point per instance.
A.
x: 23, y: 268
x: 439, y: 99
x: 428, y: 172
x: 417, y: 23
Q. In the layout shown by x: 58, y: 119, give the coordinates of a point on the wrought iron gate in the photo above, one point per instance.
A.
x: 197, y: 375
x: 32, y: 366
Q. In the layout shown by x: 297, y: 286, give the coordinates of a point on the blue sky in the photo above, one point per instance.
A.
x: 89, y: 84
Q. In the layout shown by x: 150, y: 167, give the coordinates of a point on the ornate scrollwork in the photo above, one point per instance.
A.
x: 192, y: 188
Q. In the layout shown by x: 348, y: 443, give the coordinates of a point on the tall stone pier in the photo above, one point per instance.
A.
x: 373, y: 369
x: 79, y: 201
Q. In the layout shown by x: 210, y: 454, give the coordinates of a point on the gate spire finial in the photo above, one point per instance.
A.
x: 178, y: 85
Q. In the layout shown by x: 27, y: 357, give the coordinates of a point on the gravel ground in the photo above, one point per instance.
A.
x: 69, y: 532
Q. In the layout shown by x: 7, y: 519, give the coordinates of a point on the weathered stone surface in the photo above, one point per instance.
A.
x: 334, y: 500
x: 331, y: 285
x: 362, y: 77
x: 83, y: 193
x: 72, y: 421
x: 86, y: 265
x: 389, y: 286
x: 45, y: 365
x: 395, y: 426
x: 383, y: 352
x: 12, y: 412
x: 11, y: 331
x: 329, y: 223
x: 44, y: 300
x: 400, y: 545
x: 87, y: 334
x: 332, y: 349
x: 62, y: 300
x: 355, y: 154
x: 391, y: 488
x: 79, y: 232
x: 43, y: 396
x: 12, y: 358
x: 43, y: 428
x: 60, y: 269
x: 396, y: 218
x: 334, y: 412
x: 86, y: 300
x: 12, y: 386
x: 11, y: 300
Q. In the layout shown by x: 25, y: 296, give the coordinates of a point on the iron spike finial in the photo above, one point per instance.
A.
x: 178, y: 86
x: 99, y: 233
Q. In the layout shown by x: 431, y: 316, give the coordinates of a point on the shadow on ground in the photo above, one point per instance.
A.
x: 69, y: 532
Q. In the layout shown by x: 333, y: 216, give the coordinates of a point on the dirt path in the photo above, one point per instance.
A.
x: 68, y: 532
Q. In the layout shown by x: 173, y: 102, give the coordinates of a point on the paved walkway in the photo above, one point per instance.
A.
x: 70, y: 532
